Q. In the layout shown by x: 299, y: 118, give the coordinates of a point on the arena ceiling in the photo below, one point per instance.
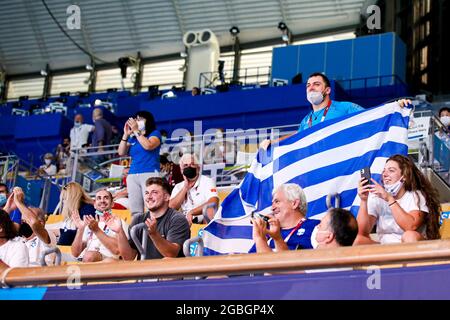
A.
x: 110, y: 29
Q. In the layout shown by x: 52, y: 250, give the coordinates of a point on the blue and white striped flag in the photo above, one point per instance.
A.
x: 323, y: 160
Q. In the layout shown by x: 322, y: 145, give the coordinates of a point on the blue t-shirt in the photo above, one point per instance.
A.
x: 301, y: 239
x: 143, y: 161
x: 337, y: 109
x: 66, y: 236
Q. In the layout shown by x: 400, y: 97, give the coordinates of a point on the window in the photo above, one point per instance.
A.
x: 165, y: 74
x: 111, y: 78
x: 74, y: 82
x: 28, y: 87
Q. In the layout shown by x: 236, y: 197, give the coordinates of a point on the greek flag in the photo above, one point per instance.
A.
x: 323, y: 160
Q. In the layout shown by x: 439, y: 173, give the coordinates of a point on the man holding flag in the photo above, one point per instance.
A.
x: 323, y: 159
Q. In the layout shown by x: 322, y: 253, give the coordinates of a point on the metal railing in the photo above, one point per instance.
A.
x: 253, y: 75
x: 434, y: 251
x: 9, y: 168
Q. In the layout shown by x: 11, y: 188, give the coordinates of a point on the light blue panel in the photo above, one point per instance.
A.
x: 365, y: 61
x: 311, y: 59
x: 338, y: 61
x: 22, y: 294
x: 284, y: 62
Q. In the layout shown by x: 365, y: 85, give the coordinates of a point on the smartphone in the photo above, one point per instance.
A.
x: 365, y: 174
x: 260, y: 216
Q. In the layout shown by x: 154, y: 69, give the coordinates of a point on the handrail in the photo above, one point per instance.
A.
x: 141, y: 246
x: 55, y: 250
x: 423, y: 251
x: 187, y: 246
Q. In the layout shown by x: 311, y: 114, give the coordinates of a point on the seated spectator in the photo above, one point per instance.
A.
x: 289, y: 229
x: 32, y: 229
x: 13, y: 252
x: 195, y: 91
x: 167, y: 228
x: 405, y: 208
x: 338, y: 228
x: 48, y: 168
x: 73, y: 200
x: 63, y: 156
x: 95, y: 241
x: 195, y: 192
x: 170, y: 171
x: 444, y: 116
x: 4, y: 193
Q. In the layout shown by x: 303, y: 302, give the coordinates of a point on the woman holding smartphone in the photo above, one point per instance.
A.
x: 405, y: 208
x: 142, y: 142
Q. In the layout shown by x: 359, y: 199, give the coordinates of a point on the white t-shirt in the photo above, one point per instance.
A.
x: 14, y: 253
x: 94, y: 244
x: 36, y: 246
x: 388, y: 230
x: 200, y: 193
x: 79, y: 136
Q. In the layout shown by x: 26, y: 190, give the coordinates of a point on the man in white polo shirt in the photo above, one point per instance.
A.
x: 195, y: 192
x: 79, y: 134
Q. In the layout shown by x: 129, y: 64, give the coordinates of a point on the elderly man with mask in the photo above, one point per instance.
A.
x: 195, y: 192
x: 79, y: 134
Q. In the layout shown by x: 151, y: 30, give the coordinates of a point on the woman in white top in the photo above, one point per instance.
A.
x: 405, y: 208
x: 13, y: 252
x: 35, y: 236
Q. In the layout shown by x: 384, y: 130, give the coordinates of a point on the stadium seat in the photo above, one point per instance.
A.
x: 195, y: 228
x: 125, y: 215
x: 54, y: 218
x: 223, y: 193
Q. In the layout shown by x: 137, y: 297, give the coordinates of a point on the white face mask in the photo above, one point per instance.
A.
x: 141, y: 124
x: 445, y: 120
x: 394, y: 188
x: 77, y: 124
x: 314, y: 97
x: 219, y: 135
x: 47, y: 161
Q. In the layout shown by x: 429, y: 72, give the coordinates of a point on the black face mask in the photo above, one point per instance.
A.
x: 189, y: 172
x: 25, y: 230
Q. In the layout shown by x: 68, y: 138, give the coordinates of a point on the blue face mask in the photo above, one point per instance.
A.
x: 2, y: 199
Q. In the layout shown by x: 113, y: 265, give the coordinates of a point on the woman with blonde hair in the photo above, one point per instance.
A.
x: 73, y: 200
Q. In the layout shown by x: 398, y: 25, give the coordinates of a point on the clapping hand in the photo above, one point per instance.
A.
x: 91, y: 223
x: 114, y: 223
x: 77, y: 220
x: 151, y: 225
